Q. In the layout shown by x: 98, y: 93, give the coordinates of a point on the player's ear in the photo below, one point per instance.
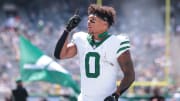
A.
x: 106, y: 23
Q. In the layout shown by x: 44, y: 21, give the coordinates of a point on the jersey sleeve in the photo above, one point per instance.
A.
x: 78, y: 37
x: 124, y: 44
x: 75, y: 38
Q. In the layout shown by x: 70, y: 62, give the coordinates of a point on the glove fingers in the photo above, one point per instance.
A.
x: 73, y: 22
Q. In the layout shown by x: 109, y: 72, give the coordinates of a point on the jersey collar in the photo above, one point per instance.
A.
x: 94, y: 44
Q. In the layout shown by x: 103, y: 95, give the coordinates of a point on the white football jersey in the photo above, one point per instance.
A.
x: 98, y: 63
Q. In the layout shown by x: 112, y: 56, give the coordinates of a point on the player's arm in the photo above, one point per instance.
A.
x: 126, y: 65
x: 64, y: 49
x: 69, y: 50
x: 127, y: 68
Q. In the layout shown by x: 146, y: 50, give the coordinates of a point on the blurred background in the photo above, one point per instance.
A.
x: 152, y: 25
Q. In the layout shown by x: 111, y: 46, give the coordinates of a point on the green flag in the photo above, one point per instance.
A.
x: 36, y: 66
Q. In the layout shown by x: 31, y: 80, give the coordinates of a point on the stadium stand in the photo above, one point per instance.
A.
x: 42, y: 21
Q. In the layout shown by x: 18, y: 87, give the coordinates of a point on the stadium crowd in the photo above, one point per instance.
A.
x: 43, y: 23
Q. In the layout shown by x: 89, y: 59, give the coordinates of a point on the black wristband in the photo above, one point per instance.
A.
x: 60, y: 44
x: 116, y: 95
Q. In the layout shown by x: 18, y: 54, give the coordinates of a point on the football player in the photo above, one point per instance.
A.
x: 101, y: 55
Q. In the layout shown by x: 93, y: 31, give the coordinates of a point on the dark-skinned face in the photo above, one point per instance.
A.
x: 95, y: 24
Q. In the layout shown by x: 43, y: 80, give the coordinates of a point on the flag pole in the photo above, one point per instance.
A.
x: 167, y: 33
x: 99, y: 2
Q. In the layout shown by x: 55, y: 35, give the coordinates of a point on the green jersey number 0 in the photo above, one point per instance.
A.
x: 96, y: 60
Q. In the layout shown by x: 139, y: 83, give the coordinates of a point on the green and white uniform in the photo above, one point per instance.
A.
x: 98, y: 64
